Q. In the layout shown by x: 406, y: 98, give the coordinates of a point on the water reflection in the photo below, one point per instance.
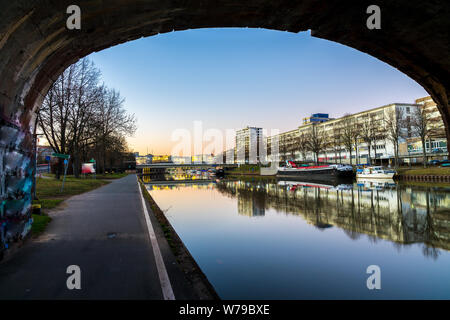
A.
x: 309, y: 240
x: 381, y: 210
x: 179, y: 177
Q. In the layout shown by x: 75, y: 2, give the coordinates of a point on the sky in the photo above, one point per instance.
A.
x: 232, y: 77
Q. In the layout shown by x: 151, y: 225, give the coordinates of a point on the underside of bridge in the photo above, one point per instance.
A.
x: 36, y: 46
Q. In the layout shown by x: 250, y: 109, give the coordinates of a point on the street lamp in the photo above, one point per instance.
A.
x: 35, y: 135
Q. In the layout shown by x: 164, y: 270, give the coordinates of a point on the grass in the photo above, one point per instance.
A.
x: 50, y: 189
x: 436, y: 171
x: 111, y: 175
x: 40, y: 222
x: 50, y: 203
x: 425, y: 184
x: 245, y: 169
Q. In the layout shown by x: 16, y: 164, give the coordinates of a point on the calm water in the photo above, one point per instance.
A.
x: 293, y: 240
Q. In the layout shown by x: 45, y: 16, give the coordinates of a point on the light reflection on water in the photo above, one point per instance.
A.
x: 296, y: 240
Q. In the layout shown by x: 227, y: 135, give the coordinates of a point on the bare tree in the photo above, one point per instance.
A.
x: 111, y: 120
x: 283, y: 149
x: 394, y: 125
x: 348, y: 134
x: 336, y: 143
x: 78, y: 116
x: 356, y: 139
x: 55, y: 112
x: 302, y: 144
x: 291, y: 146
x: 316, y: 141
x: 87, y: 97
x: 425, y: 125
x: 368, y: 130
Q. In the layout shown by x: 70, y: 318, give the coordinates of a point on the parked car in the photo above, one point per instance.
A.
x: 445, y: 163
x: 434, y: 162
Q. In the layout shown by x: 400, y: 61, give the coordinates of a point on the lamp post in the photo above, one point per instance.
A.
x: 35, y: 139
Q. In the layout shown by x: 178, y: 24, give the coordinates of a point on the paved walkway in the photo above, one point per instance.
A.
x: 104, y: 232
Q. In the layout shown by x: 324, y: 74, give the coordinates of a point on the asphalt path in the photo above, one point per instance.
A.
x: 103, y: 232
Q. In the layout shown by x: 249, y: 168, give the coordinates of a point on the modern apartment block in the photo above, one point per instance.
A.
x: 435, y: 142
x: 249, y: 143
x: 368, y: 130
x: 372, y: 136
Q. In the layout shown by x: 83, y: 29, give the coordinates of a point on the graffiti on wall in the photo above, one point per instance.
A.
x: 16, y: 181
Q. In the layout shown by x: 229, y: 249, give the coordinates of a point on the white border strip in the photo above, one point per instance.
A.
x: 166, y: 287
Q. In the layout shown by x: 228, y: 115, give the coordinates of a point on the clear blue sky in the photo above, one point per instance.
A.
x: 231, y: 78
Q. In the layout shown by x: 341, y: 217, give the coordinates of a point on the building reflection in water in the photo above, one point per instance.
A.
x: 398, y: 213
x: 250, y: 202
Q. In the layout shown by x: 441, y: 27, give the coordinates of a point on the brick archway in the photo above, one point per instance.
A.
x: 35, y: 47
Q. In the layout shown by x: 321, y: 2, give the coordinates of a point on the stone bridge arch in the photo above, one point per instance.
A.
x: 35, y: 47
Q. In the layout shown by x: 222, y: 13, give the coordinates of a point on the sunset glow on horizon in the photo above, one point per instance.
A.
x: 254, y: 77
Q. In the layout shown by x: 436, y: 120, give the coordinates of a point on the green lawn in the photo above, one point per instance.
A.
x: 111, y: 175
x: 40, y: 222
x: 437, y: 171
x: 50, y: 188
x: 426, y: 184
x: 50, y: 203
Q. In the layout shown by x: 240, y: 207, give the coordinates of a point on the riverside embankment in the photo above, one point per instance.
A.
x: 430, y: 174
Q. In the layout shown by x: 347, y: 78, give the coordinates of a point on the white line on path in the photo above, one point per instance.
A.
x: 162, y: 272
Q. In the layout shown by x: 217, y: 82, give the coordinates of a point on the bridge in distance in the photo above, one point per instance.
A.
x: 170, y: 183
x: 160, y: 168
x: 166, y: 165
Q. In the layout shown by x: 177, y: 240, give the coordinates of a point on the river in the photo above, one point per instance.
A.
x: 269, y: 239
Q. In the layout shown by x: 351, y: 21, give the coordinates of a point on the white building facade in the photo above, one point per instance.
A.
x: 249, y: 144
x: 377, y: 135
x: 292, y: 144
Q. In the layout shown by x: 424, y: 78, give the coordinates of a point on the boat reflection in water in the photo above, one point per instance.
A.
x: 370, y: 184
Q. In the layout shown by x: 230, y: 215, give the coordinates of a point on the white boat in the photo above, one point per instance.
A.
x: 375, y: 173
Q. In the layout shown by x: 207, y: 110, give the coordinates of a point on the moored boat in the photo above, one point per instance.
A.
x: 321, y: 172
x: 220, y: 173
x: 375, y: 172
